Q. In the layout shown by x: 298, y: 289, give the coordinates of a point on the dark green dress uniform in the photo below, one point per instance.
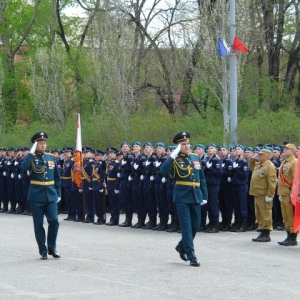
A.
x: 189, y: 191
x: 43, y: 194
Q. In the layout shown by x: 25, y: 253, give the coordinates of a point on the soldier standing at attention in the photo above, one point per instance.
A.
x: 286, y: 177
x: 44, y: 192
x: 189, y: 191
x: 262, y: 187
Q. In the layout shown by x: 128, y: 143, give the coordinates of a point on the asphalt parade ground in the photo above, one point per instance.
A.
x: 102, y: 262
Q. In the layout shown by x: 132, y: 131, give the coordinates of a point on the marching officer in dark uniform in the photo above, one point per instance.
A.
x: 98, y: 177
x: 44, y: 192
x: 189, y: 191
x: 149, y: 193
x: 3, y: 185
x: 17, y: 181
x: 67, y: 184
x: 112, y: 186
x: 126, y: 166
x: 10, y: 180
x: 25, y: 181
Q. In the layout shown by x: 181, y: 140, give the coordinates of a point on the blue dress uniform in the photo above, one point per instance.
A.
x: 3, y: 184
x: 149, y: 193
x: 225, y: 197
x: 25, y: 181
x: 189, y: 191
x: 66, y: 172
x: 137, y: 189
x: 87, y: 186
x: 44, y: 192
x: 18, y: 183
x: 126, y: 165
x: 98, y: 177
x: 239, y: 189
x: 10, y: 181
x: 112, y: 187
x: 213, y: 173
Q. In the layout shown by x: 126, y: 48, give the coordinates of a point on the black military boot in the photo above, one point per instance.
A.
x: 265, y: 236
x: 175, y: 226
x: 234, y: 227
x: 226, y: 226
x: 128, y: 221
x: 243, y: 227
x: 214, y: 228
x: 286, y: 240
x: 139, y: 224
x: 163, y: 225
x: 4, y: 208
x: 157, y: 226
x: 293, y: 240
x: 151, y: 224
x: 12, y: 209
x: 258, y: 237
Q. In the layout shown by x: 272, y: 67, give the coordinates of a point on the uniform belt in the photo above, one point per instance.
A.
x: 95, y: 179
x: 187, y: 183
x: 42, y: 182
x: 69, y: 177
x: 111, y: 179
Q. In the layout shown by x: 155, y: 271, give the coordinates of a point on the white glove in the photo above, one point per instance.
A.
x: 16, y: 163
x: 280, y: 198
x: 157, y: 164
x: 116, y: 191
x: 276, y: 180
x: 223, y: 165
x: 235, y: 165
x: 4, y: 173
x: 58, y: 199
x: 129, y: 178
x: 80, y: 190
x: 101, y: 191
x: 176, y: 151
x: 255, y: 156
x: 12, y: 175
x: 148, y: 163
x: 208, y: 165
x: 90, y: 188
x: 203, y: 202
x: 62, y: 156
x: 142, y: 177
x: 151, y: 178
x: 163, y: 180
x: 228, y: 179
x: 123, y: 162
x: 32, y: 150
x: 8, y: 163
x: 19, y: 176
x: 118, y: 175
x: 28, y: 172
x: 268, y: 199
x: 135, y: 166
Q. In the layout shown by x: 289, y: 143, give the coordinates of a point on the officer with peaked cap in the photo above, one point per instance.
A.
x: 44, y: 192
x: 189, y: 191
x: 3, y: 185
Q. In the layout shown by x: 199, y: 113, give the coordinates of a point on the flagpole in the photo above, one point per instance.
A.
x: 233, y: 80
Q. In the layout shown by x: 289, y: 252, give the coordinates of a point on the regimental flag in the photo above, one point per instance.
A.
x: 295, y: 198
x: 239, y: 46
x: 78, y: 155
x: 222, y: 48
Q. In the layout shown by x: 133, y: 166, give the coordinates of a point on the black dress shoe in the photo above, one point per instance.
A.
x: 54, y: 253
x: 194, y: 262
x: 126, y: 224
x: 181, y: 253
x: 111, y: 224
x: 88, y: 221
x: 67, y: 219
x: 99, y: 223
x: 44, y: 256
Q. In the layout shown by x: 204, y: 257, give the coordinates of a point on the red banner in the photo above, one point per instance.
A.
x: 295, y: 198
x: 78, y: 155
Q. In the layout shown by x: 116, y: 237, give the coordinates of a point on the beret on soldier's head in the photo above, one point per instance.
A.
x: 199, y: 146
x: 222, y: 147
x: 136, y: 144
x: 239, y: 146
x: 160, y: 144
x: 147, y: 144
x: 277, y: 148
x: 211, y: 145
x: 181, y: 137
x: 98, y: 152
x: 124, y: 143
x: 249, y: 149
x: 111, y: 149
x: 87, y: 149
x: 39, y: 136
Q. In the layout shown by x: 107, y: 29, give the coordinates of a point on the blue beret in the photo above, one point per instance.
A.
x: 240, y: 146
x: 256, y: 149
x: 136, y: 143
x: 147, y: 144
x: 249, y: 149
x: 181, y: 136
x: 199, y: 146
x: 277, y: 148
x: 211, y: 145
x: 87, y: 149
x: 112, y: 149
x: 39, y: 136
x: 268, y: 148
x: 98, y: 152
x: 124, y: 143
x: 160, y: 144
x: 168, y: 148
x: 222, y: 147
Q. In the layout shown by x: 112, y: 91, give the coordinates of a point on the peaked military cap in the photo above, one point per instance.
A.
x: 54, y: 150
x: 87, y: 149
x: 98, y: 152
x: 181, y: 136
x: 265, y: 152
x: 25, y: 148
x: 39, y: 136
x: 119, y: 153
x: 18, y: 149
x: 68, y: 149
x: 291, y: 146
x: 11, y: 149
x: 3, y: 149
x: 111, y: 149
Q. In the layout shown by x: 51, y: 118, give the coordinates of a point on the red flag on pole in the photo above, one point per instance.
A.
x: 239, y: 46
x: 295, y: 199
x: 78, y: 155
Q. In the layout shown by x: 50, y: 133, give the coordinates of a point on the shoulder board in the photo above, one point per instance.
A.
x: 91, y: 160
x: 48, y: 154
x: 116, y: 161
x: 193, y: 154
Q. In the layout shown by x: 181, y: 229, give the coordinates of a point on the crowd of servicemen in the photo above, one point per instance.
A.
x: 128, y: 181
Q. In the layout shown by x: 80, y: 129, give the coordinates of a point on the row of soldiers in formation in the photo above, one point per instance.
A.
x: 130, y: 179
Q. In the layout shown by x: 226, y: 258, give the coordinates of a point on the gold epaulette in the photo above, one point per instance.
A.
x: 95, y: 173
x: 85, y: 175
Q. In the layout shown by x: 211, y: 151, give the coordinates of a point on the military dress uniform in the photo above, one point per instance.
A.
x: 10, y: 182
x: 3, y: 183
x: 44, y: 192
x: 189, y: 191
x: 262, y: 187
x: 25, y: 182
